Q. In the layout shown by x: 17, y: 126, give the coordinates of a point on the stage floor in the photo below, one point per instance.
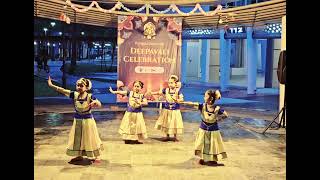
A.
x: 251, y: 155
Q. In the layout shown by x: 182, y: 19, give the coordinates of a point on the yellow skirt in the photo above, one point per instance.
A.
x: 133, y: 126
x: 84, y: 139
x: 170, y: 122
x: 209, y: 145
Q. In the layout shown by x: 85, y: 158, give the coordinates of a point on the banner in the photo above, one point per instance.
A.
x: 149, y: 50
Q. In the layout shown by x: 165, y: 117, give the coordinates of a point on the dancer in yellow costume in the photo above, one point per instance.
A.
x: 170, y: 119
x: 84, y: 138
x: 209, y: 144
x: 133, y: 128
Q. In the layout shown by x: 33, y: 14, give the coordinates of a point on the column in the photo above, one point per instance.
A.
x: 228, y: 45
x: 224, y: 62
x: 252, y: 62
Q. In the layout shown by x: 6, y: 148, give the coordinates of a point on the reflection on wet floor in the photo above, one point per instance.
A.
x: 57, y: 119
x: 229, y: 127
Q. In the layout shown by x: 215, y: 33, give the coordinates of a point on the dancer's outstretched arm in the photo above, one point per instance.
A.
x: 189, y: 103
x: 118, y: 92
x: 154, y: 93
x: 58, y: 89
x: 222, y: 114
x: 225, y: 114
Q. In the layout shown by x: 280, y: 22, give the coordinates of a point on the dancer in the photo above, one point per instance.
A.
x: 170, y: 119
x: 133, y: 128
x: 209, y: 144
x: 84, y: 138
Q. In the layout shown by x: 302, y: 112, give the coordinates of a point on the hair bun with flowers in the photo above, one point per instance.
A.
x: 86, y: 82
x: 89, y: 84
x: 217, y: 94
x: 176, y: 78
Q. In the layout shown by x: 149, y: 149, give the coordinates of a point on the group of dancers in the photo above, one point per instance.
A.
x: 84, y: 138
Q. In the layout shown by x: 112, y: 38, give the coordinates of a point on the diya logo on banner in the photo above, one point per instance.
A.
x: 149, y: 50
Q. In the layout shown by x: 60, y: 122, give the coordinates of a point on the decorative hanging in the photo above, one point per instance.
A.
x: 63, y: 16
x: 172, y: 8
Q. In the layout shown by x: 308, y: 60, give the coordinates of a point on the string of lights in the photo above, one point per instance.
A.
x: 172, y: 8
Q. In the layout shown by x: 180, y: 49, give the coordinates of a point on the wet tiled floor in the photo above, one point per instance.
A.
x: 251, y: 155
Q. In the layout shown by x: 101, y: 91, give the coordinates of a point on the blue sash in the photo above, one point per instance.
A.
x: 82, y: 116
x: 135, y: 110
x: 171, y: 106
x: 209, y: 126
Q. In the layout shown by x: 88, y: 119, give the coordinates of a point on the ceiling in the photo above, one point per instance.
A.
x: 253, y: 15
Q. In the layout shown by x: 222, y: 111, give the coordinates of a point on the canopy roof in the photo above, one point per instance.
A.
x: 253, y: 15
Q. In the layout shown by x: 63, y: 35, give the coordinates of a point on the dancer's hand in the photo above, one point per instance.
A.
x: 49, y: 81
x: 93, y: 104
x: 225, y: 114
x: 218, y: 94
x: 148, y: 93
x: 175, y: 97
x: 110, y: 89
x: 138, y: 102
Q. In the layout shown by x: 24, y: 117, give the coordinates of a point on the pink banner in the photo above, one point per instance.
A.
x: 149, y: 50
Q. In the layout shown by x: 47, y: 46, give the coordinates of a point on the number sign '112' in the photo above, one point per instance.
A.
x: 235, y: 30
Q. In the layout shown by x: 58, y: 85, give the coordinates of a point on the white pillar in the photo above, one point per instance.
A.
x: 224, y: 62
x: 228, y: 45
x: 252, y: 62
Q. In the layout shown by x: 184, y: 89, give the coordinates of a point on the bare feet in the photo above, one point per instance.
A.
x: 212, y: 163
x: 79, y: 158
x: 132, y: 142
x: 97, y: 161
x: 165, y: 139
x: 138, y: 142
x: 175, y: 139
x: 201, y: 161
x: 209, y: 163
